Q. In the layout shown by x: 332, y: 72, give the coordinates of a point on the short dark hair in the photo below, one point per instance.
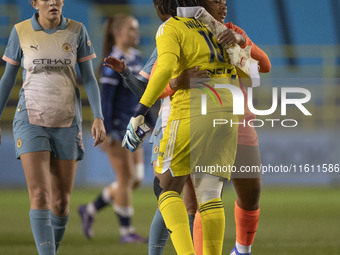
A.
x: 169, y: 7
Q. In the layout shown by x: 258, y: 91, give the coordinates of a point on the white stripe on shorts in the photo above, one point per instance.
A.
x: 170, y: 147
x: 171, y: 141
x: 174, y: 139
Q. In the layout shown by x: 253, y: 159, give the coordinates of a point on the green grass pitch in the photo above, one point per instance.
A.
x: 294, y: 221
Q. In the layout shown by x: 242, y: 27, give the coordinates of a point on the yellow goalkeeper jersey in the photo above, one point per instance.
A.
x: 184, y: 43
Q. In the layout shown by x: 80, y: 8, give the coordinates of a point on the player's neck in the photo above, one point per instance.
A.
x: 123, y: 48
x: 49, y: 24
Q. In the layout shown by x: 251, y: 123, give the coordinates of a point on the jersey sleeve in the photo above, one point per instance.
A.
x: 168, y: 90
x: 167, y: 40
x: 91, y: 88
x: 13, y: 52
x: 146, y: 71
x: 6, y: 84
x: 85, y: 49
x: 168, y: 48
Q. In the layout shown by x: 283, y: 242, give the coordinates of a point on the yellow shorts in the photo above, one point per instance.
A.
x: 195, y: 144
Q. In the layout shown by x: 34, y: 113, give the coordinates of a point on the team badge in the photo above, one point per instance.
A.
x: 156, y: 132
x: 155, y: 150
x: 19, y: 108
x: 19, y: 143
x: 67, y: 47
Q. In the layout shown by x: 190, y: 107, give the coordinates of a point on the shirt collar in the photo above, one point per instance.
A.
x: 187, y: 12
x: 36, y: 25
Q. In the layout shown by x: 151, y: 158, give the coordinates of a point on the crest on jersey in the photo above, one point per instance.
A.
x: 67, y: 47
x: 19, y: 143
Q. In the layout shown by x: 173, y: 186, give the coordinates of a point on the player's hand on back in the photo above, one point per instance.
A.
x: 115, y: 64
x: 183, y: 80
x: 98, y: 131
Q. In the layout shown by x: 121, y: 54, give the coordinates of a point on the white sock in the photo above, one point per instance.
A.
x: 125, y: 211
x: 106, y: 195
x: 139, y: 173
x: 91, y: 209
x: 243, y: 249
x: 126, y: 230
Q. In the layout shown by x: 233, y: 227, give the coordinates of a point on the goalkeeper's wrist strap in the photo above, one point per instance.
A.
x: 126, y: 72
x: 142, y: 130
x: 141, y: 110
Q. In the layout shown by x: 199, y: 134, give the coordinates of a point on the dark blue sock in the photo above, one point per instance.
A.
x: 124, y: 221
x: 99, y: 203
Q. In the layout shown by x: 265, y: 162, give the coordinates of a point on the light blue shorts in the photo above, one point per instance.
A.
x: 64, y: 143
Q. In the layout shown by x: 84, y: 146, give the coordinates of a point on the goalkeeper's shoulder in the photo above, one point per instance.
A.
x: 170, y: 26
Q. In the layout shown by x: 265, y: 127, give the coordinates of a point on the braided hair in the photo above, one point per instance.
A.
x: 169, y: 7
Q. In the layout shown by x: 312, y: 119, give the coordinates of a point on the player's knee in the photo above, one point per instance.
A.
x: 248, y: 196
x: 157, y: 187
x: 255, y: 194
x: 249, y: 202
x: 40, y: 198
x: 191, y: 207
x: 61, y: 206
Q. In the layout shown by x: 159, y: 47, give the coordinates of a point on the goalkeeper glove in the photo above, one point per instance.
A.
x: 135, y: 133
